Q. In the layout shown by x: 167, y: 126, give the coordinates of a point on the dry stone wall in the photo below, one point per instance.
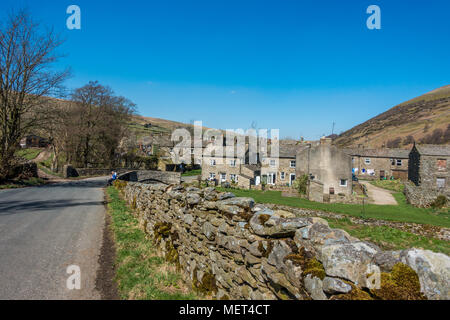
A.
x: 231, y: 248
x: 422, y: 196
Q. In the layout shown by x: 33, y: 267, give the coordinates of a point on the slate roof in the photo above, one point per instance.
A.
x: 379, y: 153
x: 434, y: 149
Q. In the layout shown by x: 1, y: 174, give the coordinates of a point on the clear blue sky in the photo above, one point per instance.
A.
x: 294, y: 65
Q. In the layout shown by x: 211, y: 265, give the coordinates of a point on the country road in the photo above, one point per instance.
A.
x: 379, y: 195
x: 43, y: 230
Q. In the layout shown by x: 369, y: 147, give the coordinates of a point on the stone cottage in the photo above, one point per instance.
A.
x: 379, y: 163
x: 329, y: 169
x: 429, y: 166
x: 280, y: 171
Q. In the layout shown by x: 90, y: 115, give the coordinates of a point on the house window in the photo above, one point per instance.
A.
x: 212, y: 175
x: 282, y: 174
x: 393, y: 162
x: 367, y: 160
x: 192, y: 151
x: 272, y: 163
x: 442, y: 164
x: 292, y: 163
x: 223, y: 176
x: 331, y: 190
x: 271, y: 178
x: 212, y: 162
x: 232, y: 163
x: 343, y: 182
x: 233, y: 178
x: 291, y: 178
x: 399, y: 162
x: 440, y: 183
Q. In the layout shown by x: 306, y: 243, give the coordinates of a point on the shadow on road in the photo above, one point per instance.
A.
x: 13, y: 207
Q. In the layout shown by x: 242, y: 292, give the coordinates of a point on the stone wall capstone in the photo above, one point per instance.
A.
x: 232, y: 248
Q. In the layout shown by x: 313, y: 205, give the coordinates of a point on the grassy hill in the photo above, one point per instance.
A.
x: 418, y: 118
x: 156, y: 126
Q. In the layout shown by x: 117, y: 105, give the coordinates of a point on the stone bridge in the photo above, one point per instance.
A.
x: 146, y: 176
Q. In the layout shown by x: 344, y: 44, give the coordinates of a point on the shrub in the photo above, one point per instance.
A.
x: 439, y: 202
x: 301, y: 183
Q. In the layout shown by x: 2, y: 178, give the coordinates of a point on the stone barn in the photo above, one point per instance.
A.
x: 429, y: 166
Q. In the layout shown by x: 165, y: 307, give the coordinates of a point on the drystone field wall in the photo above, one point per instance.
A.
x: 232, y: 248
x: 422, y: 196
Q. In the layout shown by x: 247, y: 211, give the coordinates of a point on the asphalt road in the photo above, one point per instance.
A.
x: 43, y: 230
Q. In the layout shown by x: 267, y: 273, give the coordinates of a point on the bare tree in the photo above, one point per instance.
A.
x: 27, y: 54
x: 97, y: 122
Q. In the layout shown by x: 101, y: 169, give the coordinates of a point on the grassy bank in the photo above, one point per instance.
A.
x: 141, y: 273
x: 392, y: 185
x: 403, y: 212
x: 14, y: 184
x: 390, y: 238
x: 28, y: 154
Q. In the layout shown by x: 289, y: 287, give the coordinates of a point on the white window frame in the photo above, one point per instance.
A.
x: 443, y: 182
x: 343, y: 185
x: 282, y: 175
x: 290, y: 178
x: 212, y: 162
x: 367, y: 160
x: 233, y: 163
x: 271, y: 176
x: 223, y: 176
x: 233, y: 177
x: 274, y: 163
x: 212, y: 175
x: 294, y: 162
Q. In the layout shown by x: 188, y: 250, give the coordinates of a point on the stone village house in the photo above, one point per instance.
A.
x: 429, y: 167
x: 379, y: 163
x: 274, y: 172
x: 280, y: 171
x: 329, y: 169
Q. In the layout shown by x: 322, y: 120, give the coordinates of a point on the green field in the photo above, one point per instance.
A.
x: 390, y: 238
x: 403, y: 212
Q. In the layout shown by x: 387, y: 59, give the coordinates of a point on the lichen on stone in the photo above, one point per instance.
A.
x: 400, y: 284
x: 265, y: 252
x: 161, y: 230
x: 355, y: 294
x: 207, y: 285
x: 263, y: 218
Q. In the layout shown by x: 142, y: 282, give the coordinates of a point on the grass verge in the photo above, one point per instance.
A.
x: 140, y: 272
x: 14, y: 184
x: 402, y: 212
x: 195, y: 172
x: 390, y: 238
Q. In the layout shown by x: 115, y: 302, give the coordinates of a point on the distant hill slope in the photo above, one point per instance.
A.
x: 418, y: 117
x: 143, y: 126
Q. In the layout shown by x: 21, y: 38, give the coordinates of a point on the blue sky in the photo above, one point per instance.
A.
x: 294, y: 65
